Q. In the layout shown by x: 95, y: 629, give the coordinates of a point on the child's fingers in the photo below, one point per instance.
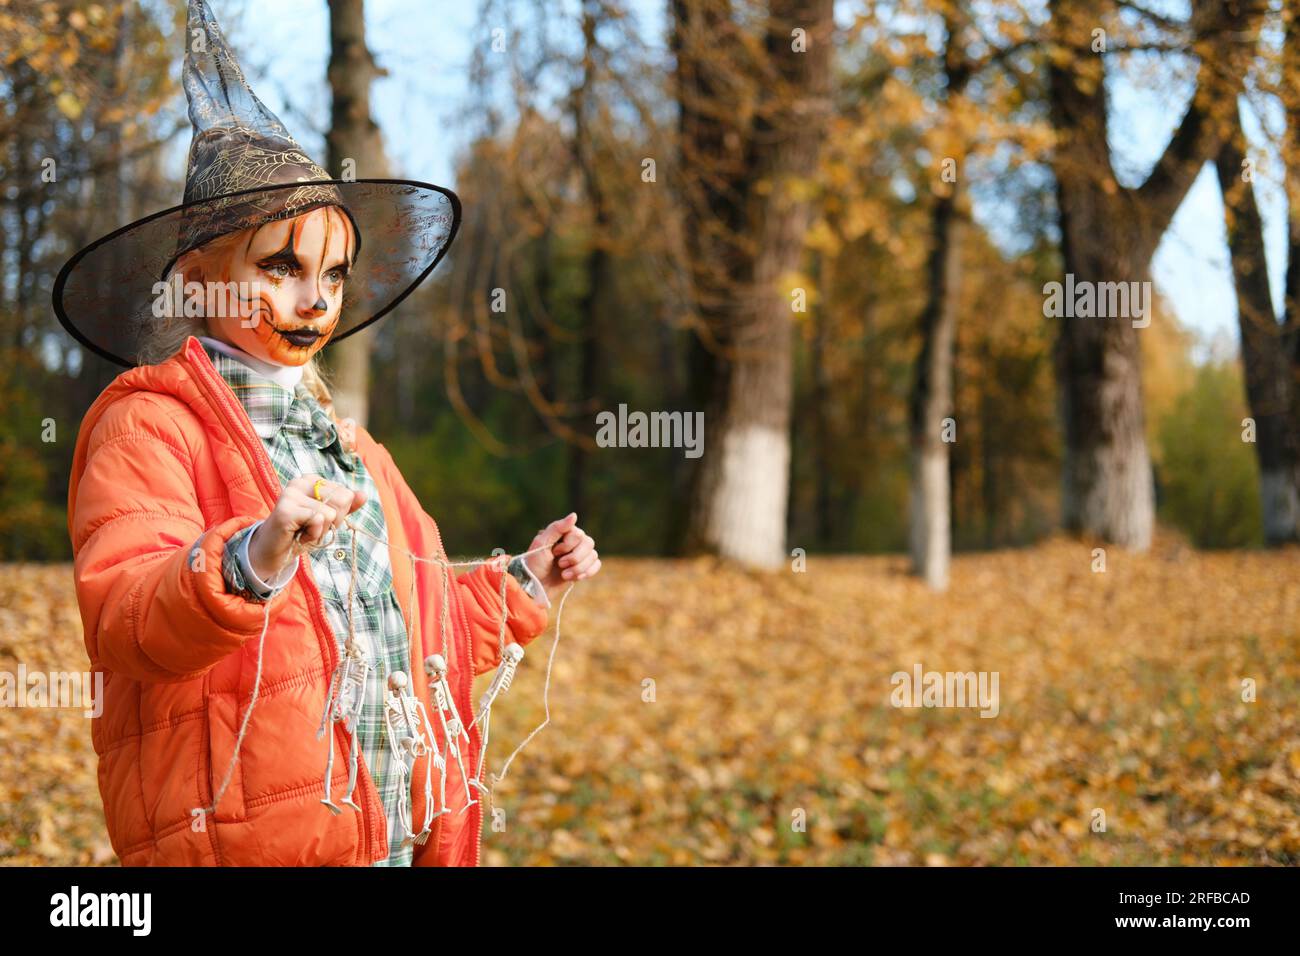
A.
x: 340, y: 501
x: 589, y: 566
x: 570, y: 541
x: 578, y: 552
x: 315, y: 517
x: 314, y: 528
x: 580, y: 561
x: 556, y: 530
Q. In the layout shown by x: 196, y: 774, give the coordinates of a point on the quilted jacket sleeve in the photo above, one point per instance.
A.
x: 154, y: 602
x: 481, y: 596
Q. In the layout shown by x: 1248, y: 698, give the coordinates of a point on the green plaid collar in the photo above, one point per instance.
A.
x: 272, y: 408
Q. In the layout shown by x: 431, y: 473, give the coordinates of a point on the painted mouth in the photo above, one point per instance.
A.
x: 299, y: 338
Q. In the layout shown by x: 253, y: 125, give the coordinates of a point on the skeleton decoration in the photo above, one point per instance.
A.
x: 501, y: 681
x: 453, y: 729
x: 500, y: 684
x: 343, y: 704
x: 410, y: 736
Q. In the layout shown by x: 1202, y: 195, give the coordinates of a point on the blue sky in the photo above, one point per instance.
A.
x: 426, y: 47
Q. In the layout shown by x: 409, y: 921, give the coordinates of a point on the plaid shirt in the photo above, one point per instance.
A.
x: 301, y: 438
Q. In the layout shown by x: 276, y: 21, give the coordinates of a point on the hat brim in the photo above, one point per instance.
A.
x: 106, y: 296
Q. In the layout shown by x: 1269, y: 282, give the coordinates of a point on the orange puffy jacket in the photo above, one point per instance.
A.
x: 165, y: 457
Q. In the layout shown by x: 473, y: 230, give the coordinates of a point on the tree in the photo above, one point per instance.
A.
x: 932, y: 389
x: 354, y: 136
x: 1264, y: 341
x: 598, y: 265
x: 1270, y: 349
x: 1109, y: 233
x: 751, y: 128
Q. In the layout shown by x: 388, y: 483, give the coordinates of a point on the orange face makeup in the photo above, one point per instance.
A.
x: 286, y: 281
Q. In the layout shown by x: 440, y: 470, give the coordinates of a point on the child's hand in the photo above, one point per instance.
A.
x: 272, y: 545
x: 572, y: 555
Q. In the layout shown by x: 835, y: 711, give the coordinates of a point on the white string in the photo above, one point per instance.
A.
x: 546, y: 689
x: 243, y: 727
x: 546, y: 706
x: 266, y: 620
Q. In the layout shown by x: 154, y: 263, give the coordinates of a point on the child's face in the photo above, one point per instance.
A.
x: 287, y: 287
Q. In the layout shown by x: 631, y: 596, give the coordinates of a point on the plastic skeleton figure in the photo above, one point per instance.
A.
x: 500, y: 684
x: 344, y: 702
x: 501, y: 680
x: 435, y: 665
x: 408, y: 724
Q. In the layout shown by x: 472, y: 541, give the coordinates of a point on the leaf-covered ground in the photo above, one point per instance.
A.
x: 1121, y: 694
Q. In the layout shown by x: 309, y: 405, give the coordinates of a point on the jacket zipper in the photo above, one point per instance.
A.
x: 212, y: 788
x: 270, y: 484
x: 475, y: 735
x: 453, y: 595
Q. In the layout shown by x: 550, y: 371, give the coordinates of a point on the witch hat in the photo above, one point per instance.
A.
x: 245, y: 170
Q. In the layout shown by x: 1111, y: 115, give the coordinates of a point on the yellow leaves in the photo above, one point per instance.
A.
x: 68, y: 105
x: 46, y: 844
x: 1293, y: 761
x: 821, y: 237
x: 561, y: 814
x: 898, y: 832
x: 771, y: 740
x: 565, y: 846
x: 858, y: 221
x: 1003, y: 784
x: 1073, y: 827
x: 50, y: 811
x: 803, y: 188
x: 1196, y: 749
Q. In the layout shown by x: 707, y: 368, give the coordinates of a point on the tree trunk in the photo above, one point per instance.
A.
x: 353, y: 135
x: 712, y: 100
x: 598, y: 266
x: 932, y: 390
x: 1264, y: 361
x: 822, y: 442
x: 1109, y: 233
x: 1107, y: 487
x: 932, y: 398
x: 1290, y: 344
x: 742, y: 491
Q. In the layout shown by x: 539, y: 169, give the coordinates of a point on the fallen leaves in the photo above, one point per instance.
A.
x: 770, y: 738
x: 1121, y: 707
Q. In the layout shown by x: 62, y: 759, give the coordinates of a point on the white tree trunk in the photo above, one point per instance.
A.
x: 746, y: 520
x: 1108, y: 487
x: 931, y: 524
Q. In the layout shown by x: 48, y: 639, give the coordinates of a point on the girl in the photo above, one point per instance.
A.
x: 260, y: 709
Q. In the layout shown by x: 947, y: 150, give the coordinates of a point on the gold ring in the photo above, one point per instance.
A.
x: 315, y: 489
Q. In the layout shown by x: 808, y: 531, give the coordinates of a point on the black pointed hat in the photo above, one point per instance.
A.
x: 245, y: 170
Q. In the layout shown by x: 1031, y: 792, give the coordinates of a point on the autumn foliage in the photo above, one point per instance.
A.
x: 1121, y: 691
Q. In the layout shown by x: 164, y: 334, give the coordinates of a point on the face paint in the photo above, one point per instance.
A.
x: 285, y: 289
